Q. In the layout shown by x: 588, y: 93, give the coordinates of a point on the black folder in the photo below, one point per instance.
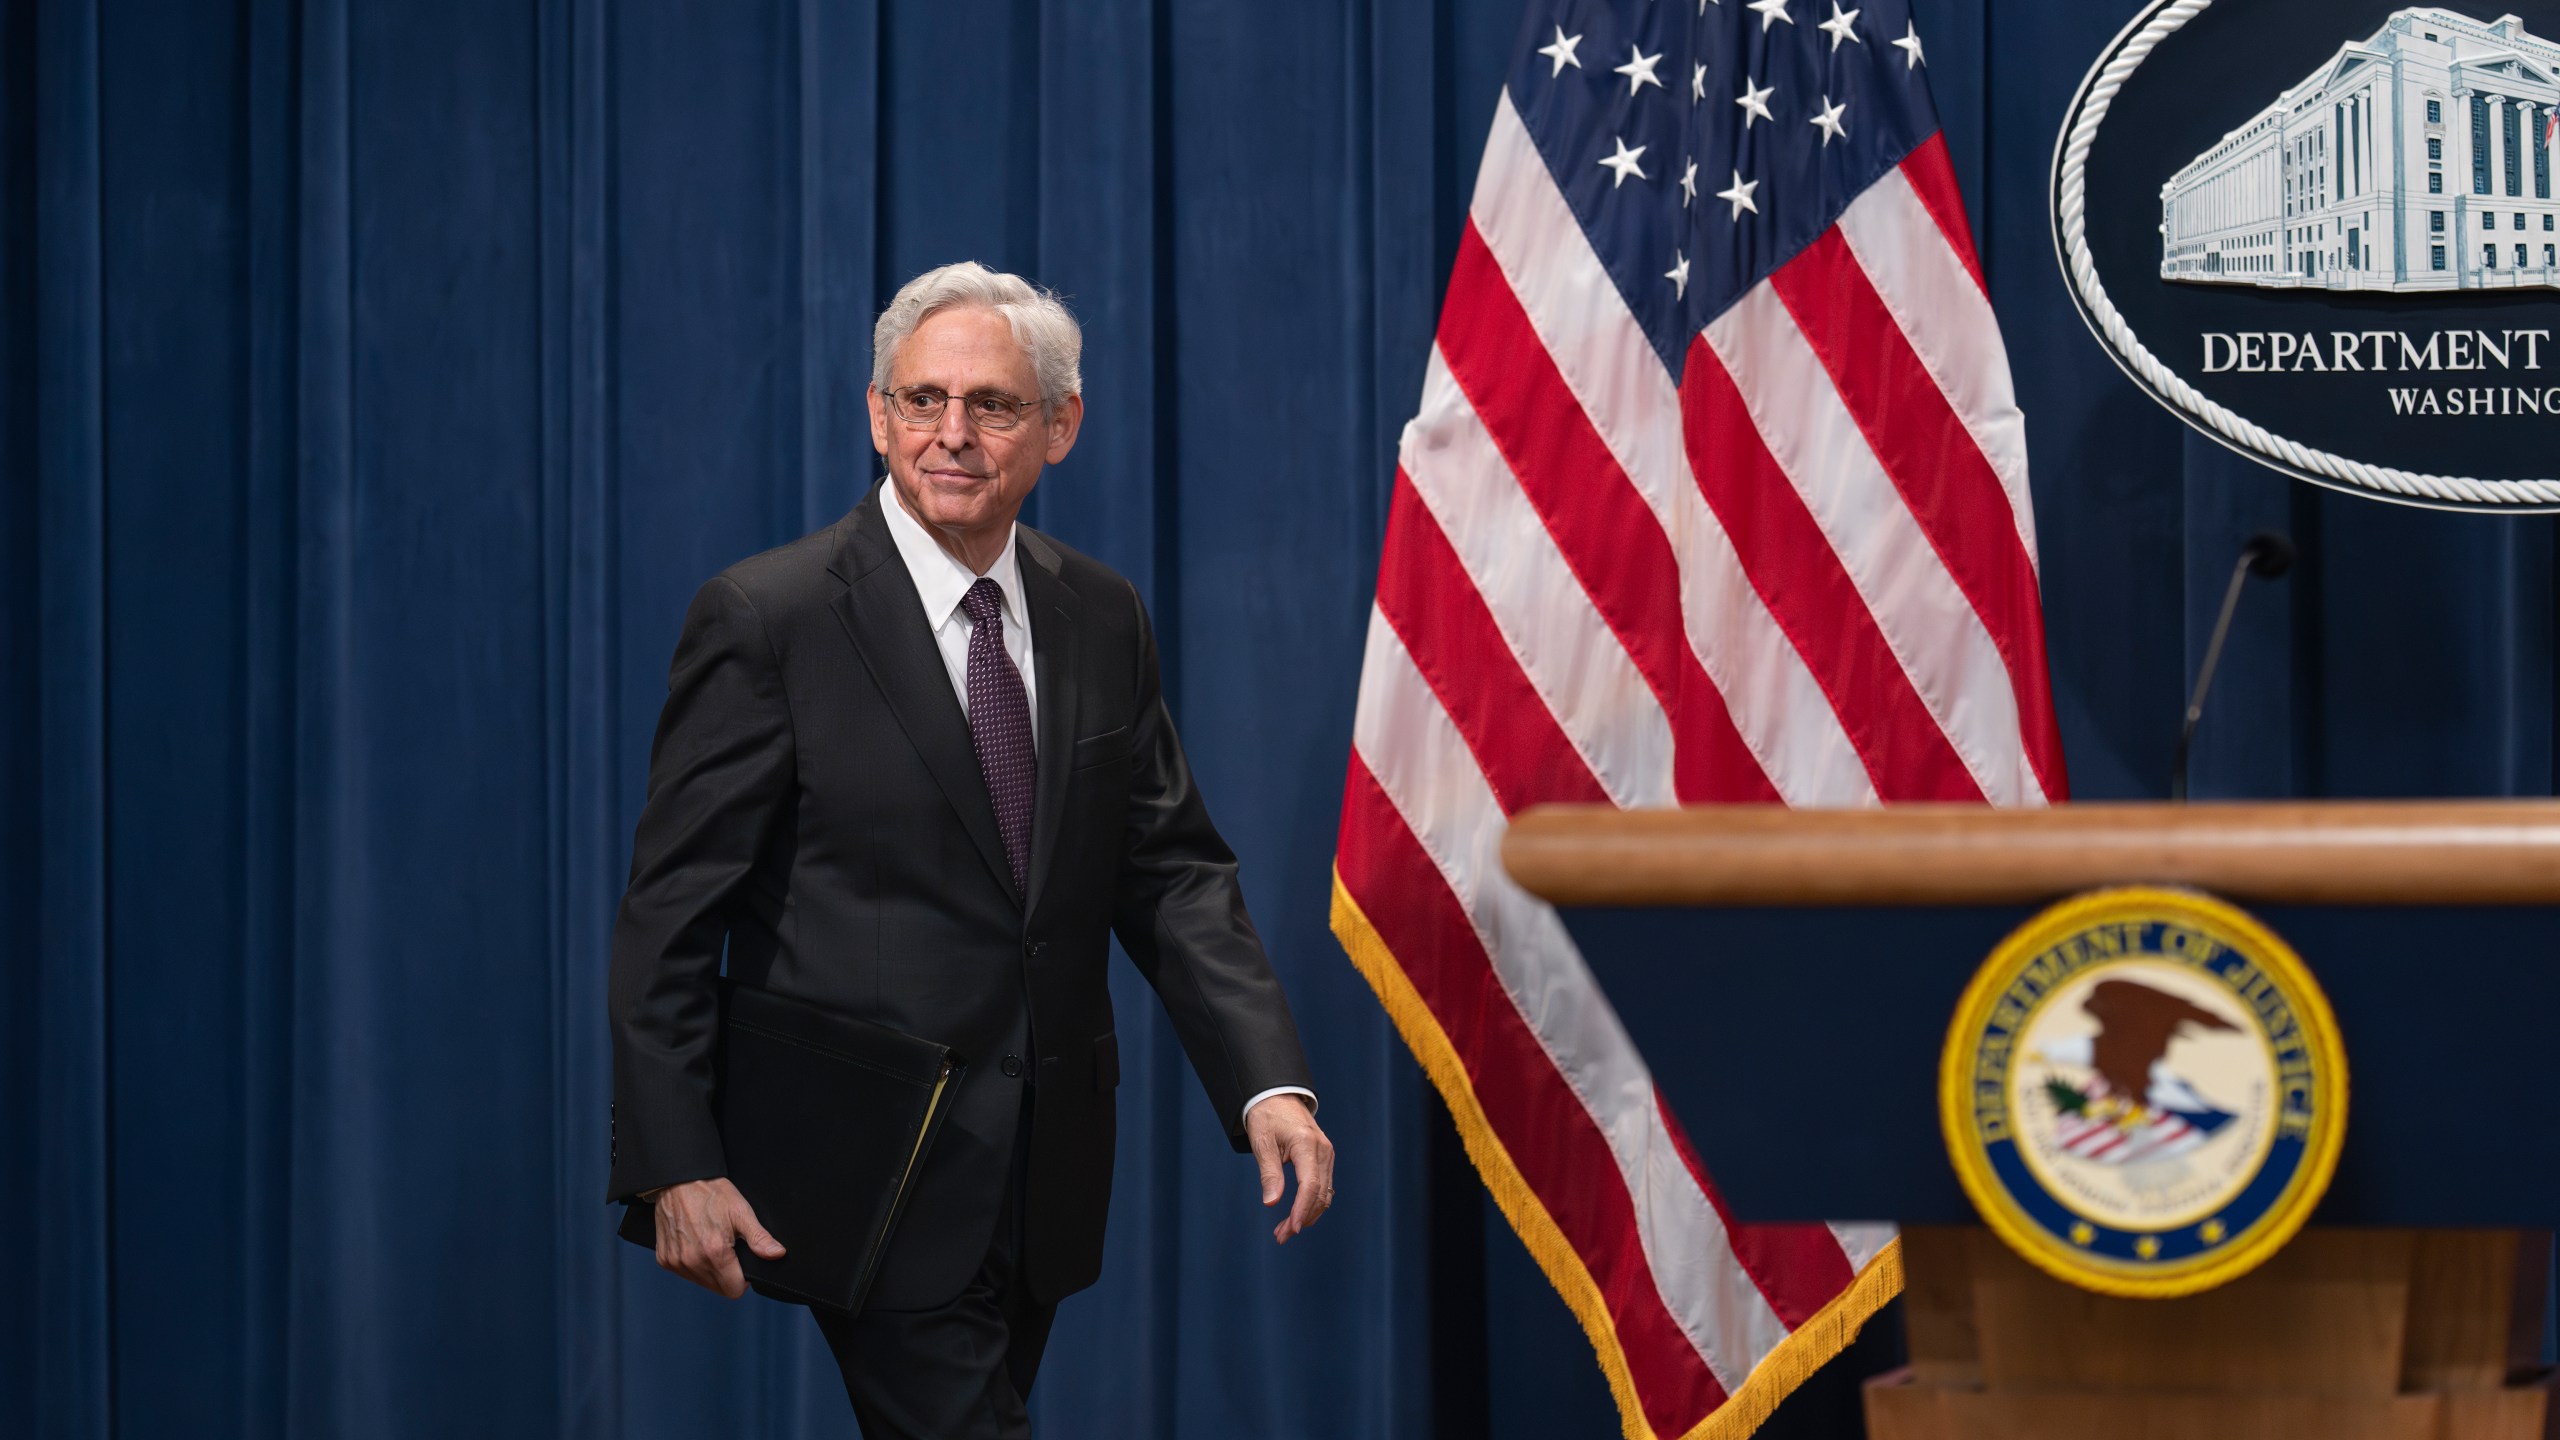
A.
x: 826, y: 1120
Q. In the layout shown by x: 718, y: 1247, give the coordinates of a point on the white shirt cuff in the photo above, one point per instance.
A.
x: 1282, y: 1090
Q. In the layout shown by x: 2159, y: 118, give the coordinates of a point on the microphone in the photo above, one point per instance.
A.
x: 2268, y: 556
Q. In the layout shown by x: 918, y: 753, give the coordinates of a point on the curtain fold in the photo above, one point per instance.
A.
x: 380, y: 381
x: 59, y: 773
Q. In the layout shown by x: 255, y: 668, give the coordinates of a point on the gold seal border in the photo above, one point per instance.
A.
x: 2284, y: 1217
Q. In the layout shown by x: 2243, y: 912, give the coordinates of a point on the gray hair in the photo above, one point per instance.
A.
x: 1041, y: 324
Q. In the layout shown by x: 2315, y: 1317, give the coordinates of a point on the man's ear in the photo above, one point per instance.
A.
x: 1066, y: 418
x: 879, y: 419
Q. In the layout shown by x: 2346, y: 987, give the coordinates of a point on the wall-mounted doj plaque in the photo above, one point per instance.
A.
x: 2143, y: 1092
x: 2325, y: 233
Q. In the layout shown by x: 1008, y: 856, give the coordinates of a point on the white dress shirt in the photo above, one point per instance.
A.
x: 941, y: 581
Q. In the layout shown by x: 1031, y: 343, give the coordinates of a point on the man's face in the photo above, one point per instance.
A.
x: 955, y: 476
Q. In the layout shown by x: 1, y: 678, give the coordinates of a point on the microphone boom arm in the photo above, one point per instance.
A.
x: 2268, y: 555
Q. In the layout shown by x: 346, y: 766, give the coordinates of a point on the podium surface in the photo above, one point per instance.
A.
x: 1790, y: 977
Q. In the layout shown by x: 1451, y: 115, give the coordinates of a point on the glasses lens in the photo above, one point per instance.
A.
x: 993, y: 411
x: 917, y: 405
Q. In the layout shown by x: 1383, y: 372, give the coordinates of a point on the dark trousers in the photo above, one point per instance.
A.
x: 960, y: 1370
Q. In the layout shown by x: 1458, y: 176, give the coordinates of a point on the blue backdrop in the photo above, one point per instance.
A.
x: 380, y: 379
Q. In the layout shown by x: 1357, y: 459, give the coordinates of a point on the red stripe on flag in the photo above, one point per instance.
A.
x: 1935, y: 463
x: 2110, y: 1143
x: 1800, y: 1268
x: 1559, y: 1149
x: 1932, y: 173
x: 2069, y: 1132
x: 1426, y: 594
x: 1598, y: 520
x: 1799, y: 576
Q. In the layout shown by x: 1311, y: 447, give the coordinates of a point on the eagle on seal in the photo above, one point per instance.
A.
x: 2135, y: 1025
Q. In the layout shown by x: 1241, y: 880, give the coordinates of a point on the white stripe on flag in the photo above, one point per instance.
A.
x: 1949, y: 323
x: 1862, y: 1240
x: 2069, y: 1132
x: 1943, y: 646
x: 1429, y: 776
x: 1572, y: 659
x: 1583, y: 321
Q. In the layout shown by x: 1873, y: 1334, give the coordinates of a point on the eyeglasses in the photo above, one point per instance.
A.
x: 921, y: 405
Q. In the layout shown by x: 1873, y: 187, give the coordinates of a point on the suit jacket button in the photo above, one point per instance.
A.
x: 1031, y: 949
x: 1012, y: 1066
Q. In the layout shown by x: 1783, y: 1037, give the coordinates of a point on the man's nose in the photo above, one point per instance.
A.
x: 955, y: 433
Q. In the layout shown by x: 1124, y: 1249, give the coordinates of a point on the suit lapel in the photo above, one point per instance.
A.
x: 1053, y: 608
x: 887, y: 625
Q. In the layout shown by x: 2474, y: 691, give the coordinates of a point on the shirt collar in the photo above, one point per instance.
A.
x: 940, y: 580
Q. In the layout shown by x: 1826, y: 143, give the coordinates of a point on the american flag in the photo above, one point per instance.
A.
x: 1718, y: 493
x: 2093, y: 1127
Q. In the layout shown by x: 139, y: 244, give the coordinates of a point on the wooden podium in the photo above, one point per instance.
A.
x: 1790, y: 977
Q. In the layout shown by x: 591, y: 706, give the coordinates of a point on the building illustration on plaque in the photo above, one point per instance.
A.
x: 2416, y: 159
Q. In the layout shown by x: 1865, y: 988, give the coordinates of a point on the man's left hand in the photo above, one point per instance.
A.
x: 1282, y: 1128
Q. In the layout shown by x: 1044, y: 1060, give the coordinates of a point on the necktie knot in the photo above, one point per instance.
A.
x: 983, y: 602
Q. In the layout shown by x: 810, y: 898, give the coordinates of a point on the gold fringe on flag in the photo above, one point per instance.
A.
x: 1808, y: 1348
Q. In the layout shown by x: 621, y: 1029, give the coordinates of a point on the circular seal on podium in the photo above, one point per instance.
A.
x: 2143, y: 1092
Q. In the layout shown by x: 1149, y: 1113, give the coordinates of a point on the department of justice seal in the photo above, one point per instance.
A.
x: 2143, y: 1092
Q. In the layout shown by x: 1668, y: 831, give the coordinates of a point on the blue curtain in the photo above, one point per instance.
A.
x: 379, y: 379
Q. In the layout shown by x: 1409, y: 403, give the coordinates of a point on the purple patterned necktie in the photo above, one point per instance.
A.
x: 1000, y: 725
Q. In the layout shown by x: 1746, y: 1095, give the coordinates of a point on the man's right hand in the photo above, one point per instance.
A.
x: 699, y: 1225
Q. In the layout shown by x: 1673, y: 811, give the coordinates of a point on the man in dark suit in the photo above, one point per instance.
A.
x: 916, y: 768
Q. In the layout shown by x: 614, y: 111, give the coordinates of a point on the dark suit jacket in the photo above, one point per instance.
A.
x: 815, y: 804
